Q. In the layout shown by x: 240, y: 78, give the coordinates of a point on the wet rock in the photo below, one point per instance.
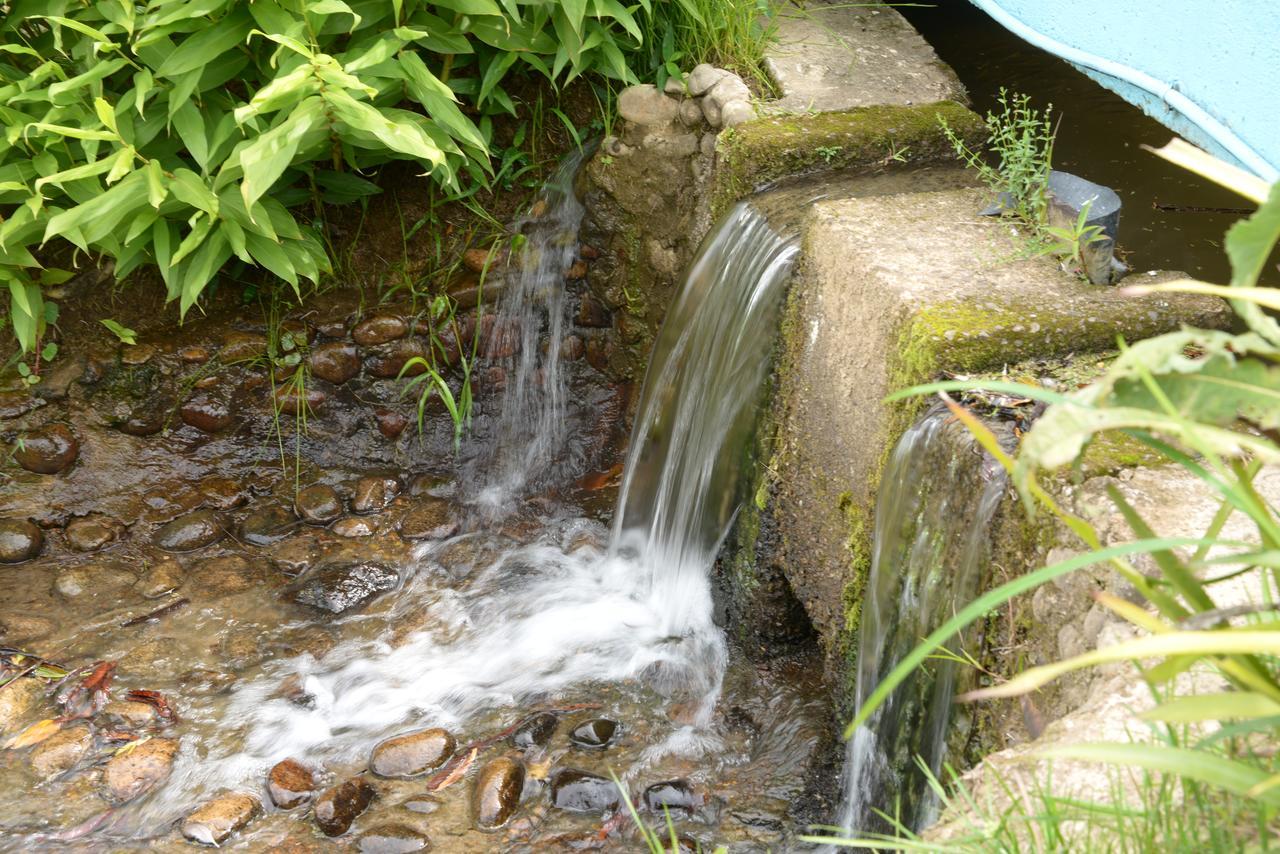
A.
x: 647, y: 105
x: 109, y: 579
x: 242, y: 346
x: 335, y: 362
x: 379, y: 330
x: 572, y: 348
x: 592, y: 313
x: 478, y: 260
x: 213, y: 823
x: 412, y: 753
x: 137, y: 771
x: 296, y: 402
x: 203, y: 680
x: 577, y: 791
x: 353, y: 526
x: 92, y: 532
x: 341, y: 587
x: 290, y: 784
x: 577, y: 271
x: 392, y: 839
x: 207, y: 412
x: 192, y: 531
x: 337, y: 807
x: 497, y: 792
x: 295, y: 556
x: 671, y: 795
x: 390, y: 423
x: 164, y: 576
x: 221, y: 493
x: 599, y: 352
x: 535, y: 732
x: 129, y: 713
x: 595, y: 734
x: 225, y: 576
x: 194, y: 355
x: 136, y: 354
x: 267, y: 525
x: 20, y: 539
x: 389, y: 360
x: 57, y: 380
x: 429, y: 519
x: 48, y: 450
x: 374, y: 493
x: 61, y: 752
x: 318, y: 504
x: 18, y: 702
x: 422, y: 804
x: 143, y: 422
x: 16, y: 629
x: 15, y: 403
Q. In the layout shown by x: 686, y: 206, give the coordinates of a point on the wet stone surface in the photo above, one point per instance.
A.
x: 595, y: 734
x: 20, y: 540
x: 412, y: 754
x: 341, y: 587
x: 290, y: 784
x: 267, y: 525
x: 335, y: 362
x: 337, y: 807
x: 48, y: 450
x: 213, y: 823
x: 192, y: 531
x: 429, y: 519
x: 579, y: 791
x: 318, y: 505
x: 92, y: 532
x: 496, y: 794
x: 535, y: 732
x: 128, y: 775
x: 392, y: 839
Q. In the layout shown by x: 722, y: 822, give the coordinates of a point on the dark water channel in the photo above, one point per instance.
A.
x: 1099, y: 138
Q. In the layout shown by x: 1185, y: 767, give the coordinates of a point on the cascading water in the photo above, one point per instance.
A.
x: 483, y: 623
x: 529, y: 332
x: 937, y: 498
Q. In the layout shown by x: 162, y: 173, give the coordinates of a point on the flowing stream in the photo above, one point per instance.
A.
x: 484, y: 623
x: 936, y: 501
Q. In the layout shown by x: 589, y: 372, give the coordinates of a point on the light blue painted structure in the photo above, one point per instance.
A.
x: 1210, y: 71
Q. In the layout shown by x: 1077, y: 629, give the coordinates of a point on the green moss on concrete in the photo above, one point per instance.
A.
x: 759, y: 152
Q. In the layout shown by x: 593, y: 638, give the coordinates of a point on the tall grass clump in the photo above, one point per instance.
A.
x: 1208, y: 402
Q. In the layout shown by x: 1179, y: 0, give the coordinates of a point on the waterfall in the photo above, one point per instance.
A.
x: 528, y: 335
x: 936, y: 501
x: 577, y: 606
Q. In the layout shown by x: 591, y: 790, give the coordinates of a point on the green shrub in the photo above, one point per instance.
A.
x: 180, y: 133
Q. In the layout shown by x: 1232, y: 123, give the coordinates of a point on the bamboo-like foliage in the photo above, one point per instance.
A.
x: 180, y: 133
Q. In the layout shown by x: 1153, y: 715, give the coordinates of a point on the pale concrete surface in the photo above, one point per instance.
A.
x: 836, y: 57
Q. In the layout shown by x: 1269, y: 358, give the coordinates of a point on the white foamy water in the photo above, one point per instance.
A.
x: 520, y: 623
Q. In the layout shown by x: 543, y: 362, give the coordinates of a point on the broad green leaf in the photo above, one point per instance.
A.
x: 1249, y: 243
x: 124, y: 333
x: 265, y: 159
x: 206, y: 45
x: 270, y: 255
x: 100, y: 70
x: 200, y: 228
x: 471, y: 7
x: 189, y: 123
x: 204, y: 265
x: 1226, y: 705
x: 403, y: 136
x: 143, y: 83
x: 332, y: 7
x: 439, y: 101
x: 86, y: 170
x: 73, y: 132
x: 121, y: 164
x: 1237, y: 777
x: 156, y: 190
x: 89, y: 222
x: 284, y: 91
x: 574, y: 12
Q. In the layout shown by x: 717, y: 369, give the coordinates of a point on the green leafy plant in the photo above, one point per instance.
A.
x: 1209, y: 402
x: 427, y: 374
x: 184, y: 133
x: 123, y: 333
x: 1020, y: 138
x: 1072, y: 240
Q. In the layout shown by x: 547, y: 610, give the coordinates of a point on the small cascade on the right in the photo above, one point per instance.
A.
x: 931, y: 542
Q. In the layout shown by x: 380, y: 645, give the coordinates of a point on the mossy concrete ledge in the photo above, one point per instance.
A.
x: 760, y: 152
x: 890, y: 291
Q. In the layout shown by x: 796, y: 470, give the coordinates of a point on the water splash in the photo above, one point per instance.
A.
x: 528, y: 336
x: 500, y: 624
x: 937, y: 498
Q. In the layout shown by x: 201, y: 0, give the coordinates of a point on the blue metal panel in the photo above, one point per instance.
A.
x: 1220, y: 62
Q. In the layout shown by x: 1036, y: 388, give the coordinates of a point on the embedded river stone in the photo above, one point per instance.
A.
x: 577, y: 791
x: 392, y: 839
x: 388, y: 360
x: 164, y: 576
x: 267, y: 525
x: 225, y: 575
x: 290, y: 784
x: 48, y: 450
x: 335, y: 362
x: 429, y: 519
x: 354, y: 526
x: 337, y: 807
x: 412, y: 754
x: 61, y: 752
x: 92, y: 532
x: 213, y: 823
x: 535, y: 732
x: 192, y: 531
x: 20, y: 539
x: 595, y: 734
x: 379, y: 330
x: 104, y: 579
x: 497, y: 792
x: 374, y: 493
x: 341, y: 587
x: 671, y: 795
x: 138, y: 771
x: 318, y: 504
x: 206, y: 412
